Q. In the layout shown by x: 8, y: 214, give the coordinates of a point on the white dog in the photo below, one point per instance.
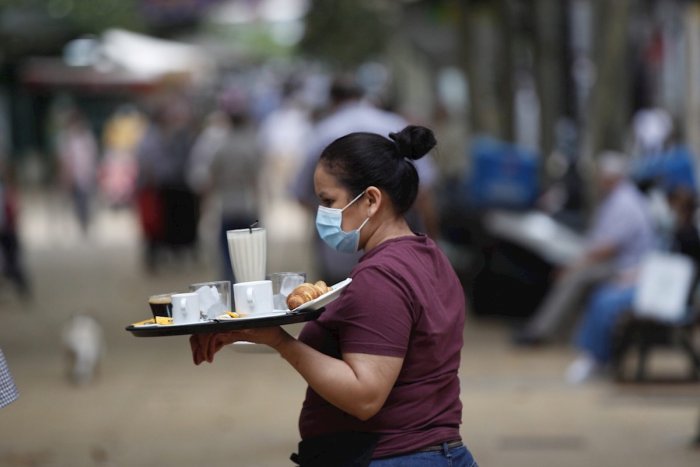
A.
x: 84, y: 342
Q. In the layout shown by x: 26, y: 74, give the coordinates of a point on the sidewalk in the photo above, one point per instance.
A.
x: 151, y: 406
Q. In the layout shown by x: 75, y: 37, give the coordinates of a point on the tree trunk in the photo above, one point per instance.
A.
x: 607, y: 115
x: 692, y: 100
x: 550, y: 69
x: 505, y: 73
x: 481, y: 55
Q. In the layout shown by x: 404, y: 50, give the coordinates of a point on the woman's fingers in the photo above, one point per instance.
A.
x: 205, y: 345
x: 198, y: 343
x: 212, y: 347
x: 217, y: 342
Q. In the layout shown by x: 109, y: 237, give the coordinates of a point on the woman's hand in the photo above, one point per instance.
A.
x: 205, y: 345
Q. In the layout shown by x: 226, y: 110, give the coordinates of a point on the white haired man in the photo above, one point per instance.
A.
x: 621, y: 233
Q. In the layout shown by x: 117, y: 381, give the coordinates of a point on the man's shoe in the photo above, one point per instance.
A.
x: 582, y: 370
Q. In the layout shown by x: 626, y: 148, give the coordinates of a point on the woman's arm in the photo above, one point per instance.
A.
x: 359, y: 384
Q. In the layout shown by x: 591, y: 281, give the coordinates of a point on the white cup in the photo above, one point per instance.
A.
x: 248, y: 251
x: 253, y: 298
x: 185, y: 308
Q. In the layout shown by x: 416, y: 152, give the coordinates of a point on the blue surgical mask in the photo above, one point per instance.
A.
x: 329, y: 223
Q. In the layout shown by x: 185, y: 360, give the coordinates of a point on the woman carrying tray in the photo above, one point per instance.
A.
x: 382, y: 361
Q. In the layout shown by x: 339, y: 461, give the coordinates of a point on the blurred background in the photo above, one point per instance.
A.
x: 134, y: 132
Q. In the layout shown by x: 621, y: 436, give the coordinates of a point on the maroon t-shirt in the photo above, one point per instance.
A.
x: 404, y: 300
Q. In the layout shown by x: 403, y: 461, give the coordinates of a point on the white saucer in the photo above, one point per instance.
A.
x: 324, y: 299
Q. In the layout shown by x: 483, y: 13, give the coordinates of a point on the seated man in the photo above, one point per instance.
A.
x: 609, y: 301
x: 622, y: 232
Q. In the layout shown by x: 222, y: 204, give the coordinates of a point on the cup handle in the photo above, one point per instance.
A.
x: 179, y: 307
x: 250, y: 297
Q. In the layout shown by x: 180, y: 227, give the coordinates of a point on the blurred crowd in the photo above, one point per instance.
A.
x: 245, y: 153
x: 231, y: 155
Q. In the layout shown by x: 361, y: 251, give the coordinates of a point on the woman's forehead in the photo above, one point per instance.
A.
x: 324, y: 180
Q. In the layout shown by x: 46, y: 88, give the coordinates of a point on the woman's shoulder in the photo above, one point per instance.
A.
x: 406, y: 257
x: 407, y: 248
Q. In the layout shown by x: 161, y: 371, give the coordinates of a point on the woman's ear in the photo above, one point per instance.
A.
x: 374, y: 197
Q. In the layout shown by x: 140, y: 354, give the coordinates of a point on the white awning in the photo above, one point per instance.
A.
x: 151, y: 57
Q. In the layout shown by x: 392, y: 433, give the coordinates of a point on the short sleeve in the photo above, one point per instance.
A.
x: 374, y: 314
x: 618, y: 222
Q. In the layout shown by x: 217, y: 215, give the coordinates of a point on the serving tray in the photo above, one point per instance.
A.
x: 249, y: 322
x: 306, y: 312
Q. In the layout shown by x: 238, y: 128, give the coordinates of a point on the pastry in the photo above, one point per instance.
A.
x: 306, y: 292
x: 322, y: 286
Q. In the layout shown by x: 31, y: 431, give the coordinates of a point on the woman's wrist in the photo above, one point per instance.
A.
x: 283, y: 342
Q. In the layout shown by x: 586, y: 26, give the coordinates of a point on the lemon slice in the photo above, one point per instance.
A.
x: 159, y: 320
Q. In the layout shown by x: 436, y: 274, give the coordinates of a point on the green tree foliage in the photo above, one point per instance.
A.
x: 346, y: 33
x: 96, y: 15
x: 83, y: 16
x: 42, y: 27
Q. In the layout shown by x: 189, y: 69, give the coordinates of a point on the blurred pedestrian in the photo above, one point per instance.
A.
x: 686, y: 238
x: 8, y: 390
x: 169, y: 209
x: 349, y: 113
x: 651, y: 128
x: 622, y: 232
x: 382, y: 362
x: 283, y: 137
x: 10, y: 245
x: 224, y: 170
x: 78, y: 159
x: 122, y: 133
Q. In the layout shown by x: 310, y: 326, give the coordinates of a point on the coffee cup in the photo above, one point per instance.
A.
x: 186, y: 308
x: 161, y: 305
x: 253, y: 297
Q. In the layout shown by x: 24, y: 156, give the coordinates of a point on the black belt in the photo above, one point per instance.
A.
x: 439, y: 447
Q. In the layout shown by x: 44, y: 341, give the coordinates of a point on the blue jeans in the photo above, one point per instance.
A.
x: 455, y: 457
x: 595, y: 332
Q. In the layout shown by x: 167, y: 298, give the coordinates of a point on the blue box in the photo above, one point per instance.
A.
x: 502, y: 175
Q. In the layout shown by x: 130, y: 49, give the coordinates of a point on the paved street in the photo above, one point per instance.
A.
x: 150, y: 406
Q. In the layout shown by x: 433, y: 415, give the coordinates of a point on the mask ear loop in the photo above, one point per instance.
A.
x: 368, y: 216
x: 363, y: 224
x: 353, y: 200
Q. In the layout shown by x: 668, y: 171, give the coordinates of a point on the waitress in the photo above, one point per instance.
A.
x: 382, y: 361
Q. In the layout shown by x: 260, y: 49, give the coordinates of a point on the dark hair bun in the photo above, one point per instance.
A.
x: 413, y: 142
